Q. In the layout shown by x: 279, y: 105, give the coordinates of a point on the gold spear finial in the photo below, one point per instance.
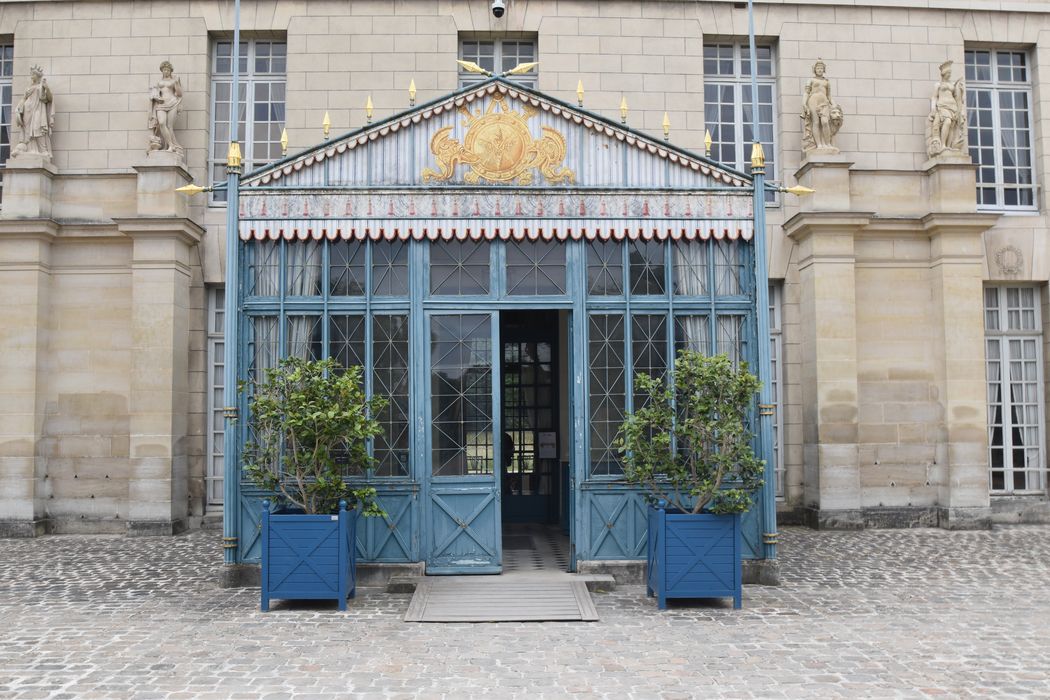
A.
x: 579, y: 92
x: 707, y: 143
x: 192, y: 189
x: 521, y: 68
x: 758, y: 156
x: 412, y: 93
x: 369, y: 109
x: 284, y: 141
x: 326, y: 125
x: 799, y: 190
x: 472, y: 67
x: 667, y: 127
x: 233, y: 155
x: 623, y: 109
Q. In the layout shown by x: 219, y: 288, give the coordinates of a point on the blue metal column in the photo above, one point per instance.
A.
x: 765, y: 373
x: 231, y: 341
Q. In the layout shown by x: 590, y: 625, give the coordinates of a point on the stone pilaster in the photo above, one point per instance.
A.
x: 163, y: 241
x: 827, y: 278
x: 824, y: 233
x: 25, y: 287
x: 956, y: 281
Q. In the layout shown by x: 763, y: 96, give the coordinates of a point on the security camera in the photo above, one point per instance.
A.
x: 498, y: 8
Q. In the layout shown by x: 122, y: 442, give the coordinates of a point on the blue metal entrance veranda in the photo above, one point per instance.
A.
x: 437, y: 357
x: 341, y: 256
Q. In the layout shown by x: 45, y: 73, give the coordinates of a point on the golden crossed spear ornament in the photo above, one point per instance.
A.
x: 498, y: 145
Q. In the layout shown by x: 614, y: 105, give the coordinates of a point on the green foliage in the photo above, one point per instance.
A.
x: 691, y: 436
x: 310, y: 423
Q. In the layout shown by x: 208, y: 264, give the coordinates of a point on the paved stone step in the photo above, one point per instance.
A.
x: 596, y: 583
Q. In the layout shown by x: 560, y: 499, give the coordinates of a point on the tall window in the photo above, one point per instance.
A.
x: 263, y: 65
x: 776, y: 384
x: 497, y: 56
x: 727, y: 104
x: 216, y: 420
x: 7, y: 59
x: 1013, y: 351
x: 999, y: 107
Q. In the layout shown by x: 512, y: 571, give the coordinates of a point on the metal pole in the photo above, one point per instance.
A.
x: 765, y: 373
x: 231, y: 470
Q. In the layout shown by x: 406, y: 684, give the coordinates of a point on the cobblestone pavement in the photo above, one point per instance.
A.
x: 861, y: 614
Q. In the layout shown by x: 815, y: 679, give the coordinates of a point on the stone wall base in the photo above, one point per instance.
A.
x: 155, y: 528
x: 631, y: 572
x: 368, y: 575
x: 889, y: 518
x: 23, y: 528
x: 240, y: 576
x: 1017, y: 510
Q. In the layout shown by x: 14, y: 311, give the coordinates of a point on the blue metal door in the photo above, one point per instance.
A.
x: 463, y: 420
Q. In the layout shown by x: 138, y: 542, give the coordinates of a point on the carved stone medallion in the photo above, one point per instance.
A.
x: 499, y: 148
x: 1010, y: 261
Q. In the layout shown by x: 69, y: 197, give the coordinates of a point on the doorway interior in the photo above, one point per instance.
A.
x: 534, y: 474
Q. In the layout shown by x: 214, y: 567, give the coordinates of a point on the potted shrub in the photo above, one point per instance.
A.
x: 310, y: 422
x: 689, y: 445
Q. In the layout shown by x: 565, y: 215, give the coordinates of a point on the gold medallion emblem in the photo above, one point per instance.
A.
x: 499, y: 148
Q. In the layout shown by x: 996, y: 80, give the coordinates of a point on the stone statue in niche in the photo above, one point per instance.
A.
x: 165, y: 97
x: 821, y: 117
x: 35, y: 116
x: 946, y: 126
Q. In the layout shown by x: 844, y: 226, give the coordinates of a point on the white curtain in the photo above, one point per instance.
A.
x: 303, y: 264
x: 690, y: 263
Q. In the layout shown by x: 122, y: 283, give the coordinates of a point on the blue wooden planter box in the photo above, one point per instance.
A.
x: 693, y: 556
x: 308, y: 557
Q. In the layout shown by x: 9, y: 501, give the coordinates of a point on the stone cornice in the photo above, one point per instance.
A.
x: 968, y: 223
x: 805, y: 224
x: 42, y: 229
x: 189, y: 232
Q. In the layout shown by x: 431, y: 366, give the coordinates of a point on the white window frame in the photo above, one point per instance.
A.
x: 776, y: 338
x: 247, y: 80
x: 994, y: 86
x: 998, y: 330
x: 466, y: 78
x: 738, y: 81
x: 214, y: 472
x: 7, y: 51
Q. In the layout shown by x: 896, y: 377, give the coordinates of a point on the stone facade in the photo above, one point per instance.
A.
x: 104, y: 270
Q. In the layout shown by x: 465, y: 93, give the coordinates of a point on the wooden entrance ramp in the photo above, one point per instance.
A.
x: 501, y: 599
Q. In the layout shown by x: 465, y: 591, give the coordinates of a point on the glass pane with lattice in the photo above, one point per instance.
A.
x: 459, y: 268
x: 727, y: 268
x: 648, y: 349
x: 346, y: 268
x: 535, y: 267
x: 390, y: 380
x: 605, y: 268
x: 646, y: 260
x: 262, y: 345
x: 692, y: 332
x: 607, y: 391
x: 690, y: 268
x: 730, y: 337
x: 303, y: 269
x: 304, y: 337
x: 264, y: 269
x: 461, y: 394
x: 390, y: 268
x: 346, y: 339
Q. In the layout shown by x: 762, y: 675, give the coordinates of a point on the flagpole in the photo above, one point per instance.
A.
x: 231, y: 471
x: 766, y: 407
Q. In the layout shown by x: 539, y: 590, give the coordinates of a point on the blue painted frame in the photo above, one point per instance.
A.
x: 600, y: 503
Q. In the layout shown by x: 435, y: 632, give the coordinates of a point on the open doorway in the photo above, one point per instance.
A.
x: 534, y: 474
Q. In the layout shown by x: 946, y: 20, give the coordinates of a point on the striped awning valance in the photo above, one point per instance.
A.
x: 495, y: 229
